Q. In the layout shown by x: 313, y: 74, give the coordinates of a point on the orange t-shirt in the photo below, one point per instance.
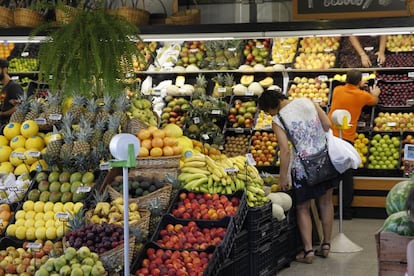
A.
x: 353, y: 99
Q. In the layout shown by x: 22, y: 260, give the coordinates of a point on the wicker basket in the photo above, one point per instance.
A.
x: 65, y: 14
x: 27, y: 18
x: 186, y: 17
x: 135, y: 125
x: 113, y: 258
x: 159, y: 174
x: 410, y: 7
x: 134, y: 15
x: 6, y: 17
x: 159, y: 162
x: 163, y: 194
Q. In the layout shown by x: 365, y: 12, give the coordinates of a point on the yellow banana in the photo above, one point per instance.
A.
x: 193, y: 177
x: 195, y: 157
x: 195, y: 170
x: 195, y: 164
x: 98, y: 208
x: 183, y: 176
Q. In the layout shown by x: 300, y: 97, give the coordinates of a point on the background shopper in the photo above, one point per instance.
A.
x: 307, y: 124
x: 10, y: 93
x: 371, y: 50
x: 352, y: 98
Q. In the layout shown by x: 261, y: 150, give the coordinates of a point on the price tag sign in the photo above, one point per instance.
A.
x: 196, y: 120
x: 238, y: 130
x: 249, y: 93
x: 34, y: 245
x: 104, y: 166
x: 205, y: 136
x: 129, y: 75
x: 322, y: 78
x: 410, y: 102
x: 369, y: 48
x: 15, y: 78
x: 156, y: 92
x: 50, y: 77
x: 361, y: 124
x: 365, y: 75
x: 260, y: 46
x: 250, y: 160
x: 409, y: 152
x: 34, y: 154
x: 272, y: 62
x: 328, y: 50
x: 267, y: 127
x: 1, y: 222
x: 410, y: 74
x: 40, y: 121
x: 194, y: 50
x: 216, y: 111
x: 231, y: 170
x: 221, y: 89
x: 62, y: 216
x: 12, y: 189
x: 233, y: 49
x: 317, y: 100
x: 24, y: 54
x: 83, y: 189
x: 391, y: 124
x: 18, y: 155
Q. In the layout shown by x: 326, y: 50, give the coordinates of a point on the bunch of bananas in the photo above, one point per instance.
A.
x: 113, y: 212
x: 200, y: 173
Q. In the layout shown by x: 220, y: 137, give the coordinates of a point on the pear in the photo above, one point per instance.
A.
x: 97, y: 270
x: 86, y: 270
x: 65, y: 270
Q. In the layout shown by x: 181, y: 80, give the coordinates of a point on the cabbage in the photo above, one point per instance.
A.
x: 399, y: 223
x: 397, y: 196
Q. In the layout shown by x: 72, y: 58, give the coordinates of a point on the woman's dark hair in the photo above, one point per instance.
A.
x: 270, y: 99
x: 353, y: 77
x: 409, y: 204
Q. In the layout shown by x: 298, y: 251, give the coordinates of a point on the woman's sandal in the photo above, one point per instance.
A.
x: 306, y: 258
x: 323, y: 251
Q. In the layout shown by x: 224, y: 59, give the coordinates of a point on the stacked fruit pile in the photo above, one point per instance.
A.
x: 317, y: 53
x: 192, y: 53
x: 396, y: 93
x: 158, y: 142
x: 314, y: 89
x: 242, y: 113
x: 13, y: 189
x: 6, y: 49
x: 222, y: 55
x: 256, y: 51
x: 263, y: 148
x: 384, y: 152
x: 137, y: 185
x: 361, y: 145
x: 400, y: 43
x: 112, y: 212
x: 236, y: 145
x: 20, y: 65
x: 263, y: 121
x: 175, y: 111
x: 6, y: 214
x: 141, y: 109
x: 391, y: 121
x: 207, y: 149
x: 147, y: 51
x: 284, y: 49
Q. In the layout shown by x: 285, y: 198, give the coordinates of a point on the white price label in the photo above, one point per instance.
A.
x: 410, y: 102
x: 104, y: 166
x: 24, y: 54
x: 62, y: 215
x: 1, y: 222
x: 129, y: 75
x: 40, y: 121
x: 205, y: 136
x: 322, y: 78
x: 221, y: 89
x: 365, y: 75
x: 410, y: 74
x: 18, y: 155
x: 34, y: 245
x: 196, y: 120
x: 34, y: 154
x: 15, y: 77
x: 12, y: 189
x: 361, y: 124
x: 260, y: 46
x: 249, y: 93
x: 232, y: 49
x: 3, y: 188
x: 391, y: 124
x: 238, y: 130
x: 369, y: 48
x: 328, y: 50
x: 317, y: 100
x: 409, y: 152
x: 194, y: 50
x: 272, y: 62
x: 250, y: 160
x: 216, y: 112
x: 156, y: 92
x: 83, y: 189
x: 267, y: 127
x: 231, y: 170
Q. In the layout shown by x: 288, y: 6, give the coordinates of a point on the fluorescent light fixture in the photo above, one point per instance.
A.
x: 202, y: 36
x: 21, y: 39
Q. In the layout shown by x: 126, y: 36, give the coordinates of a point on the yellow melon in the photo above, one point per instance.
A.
x: 5, y: 152
x: 18, y: 142
x: 29, y: 128
x: 11, y: 130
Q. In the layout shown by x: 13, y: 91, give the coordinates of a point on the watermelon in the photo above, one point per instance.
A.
x: 399, y: 223
x: 397, y: 196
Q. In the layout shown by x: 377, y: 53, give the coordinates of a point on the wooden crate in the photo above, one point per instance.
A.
x: 391, y: 253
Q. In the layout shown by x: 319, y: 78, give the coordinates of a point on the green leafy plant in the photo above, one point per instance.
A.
x: 84, y: 56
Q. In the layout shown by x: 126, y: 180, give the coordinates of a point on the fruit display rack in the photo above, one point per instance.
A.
x: 396, y: 89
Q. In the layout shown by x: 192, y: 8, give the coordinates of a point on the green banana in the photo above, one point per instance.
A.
x: 195, y: 176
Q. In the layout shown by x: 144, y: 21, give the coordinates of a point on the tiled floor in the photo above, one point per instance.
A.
x: 364, y: 263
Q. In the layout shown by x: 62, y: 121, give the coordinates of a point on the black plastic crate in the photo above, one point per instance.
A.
x: 261, y: 258
x: 14, y: 207
x: 241, y: 213
x: 210, y: 270
x: 238, y: 266
x: 265, y: 234
x: 256, y: 216
x: 270, y: 270
x: 294, y: 242
x: 240, y: 245
x: 279, y: 227
x: 224, y: 247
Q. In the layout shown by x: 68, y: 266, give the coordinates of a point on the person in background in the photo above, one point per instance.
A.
x: 10, y: 93
x: 307, y: 124
x: 366, y: 59
x: 352, y: 98
x: 410, y: 246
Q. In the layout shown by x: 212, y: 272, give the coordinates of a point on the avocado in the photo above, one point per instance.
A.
x: 139, y: 192
x: 152, y: 188
x: 158, y: 184
x: 145, y: 185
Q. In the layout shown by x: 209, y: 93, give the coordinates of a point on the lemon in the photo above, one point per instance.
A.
x: 58, y: 207
x: 39, y: 165
x: 30, y: 157
x: 41, y: 233
x: 35, y: 142
x: 60, y: 231
x: 28, y: 205
x: 11, y: 130
x: 29, y: 128
x: 17, y: 142
x: 14, y: 159
x: 68, y: 207
x: 20, y: 222
x: 39, y: 222
x: 29, y: 222
x: 39, y: 206
x: 6, y: 167
x: 4, y: 141
x: 20, y: 232
x: 77, y: 207
x: 5, y: 152
x: 21, y: 169
x: 51, y: 233
x: 49, y: 215
x: 21, y: 214
x: 50, y: 223
x: 11, y: 230
x: 48, y: 206
x: 31, y: 233
x: 30, y: 214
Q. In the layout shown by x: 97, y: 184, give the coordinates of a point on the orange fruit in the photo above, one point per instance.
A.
x: 157, y: 142
x: 151, y: 129
x: 5, y: 215
x: 170, y: 141
x: 146, y: 144
x: 177, y: 150
x: 167, y: 151
x: 144, y: 134
x: 156, y: 152
x: 143, y: 152
x: 4, y: 207
x: 158, y: 133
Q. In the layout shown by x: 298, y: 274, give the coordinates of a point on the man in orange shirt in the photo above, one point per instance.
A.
x: 352, y: 98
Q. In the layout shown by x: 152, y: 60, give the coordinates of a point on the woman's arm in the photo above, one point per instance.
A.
x: 326, y: 123
x: 366, y: 62
x: 381, y: 49
x: 284, y: 174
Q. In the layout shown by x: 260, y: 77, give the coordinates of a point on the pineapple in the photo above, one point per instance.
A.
x: 98, y: 131
x: 54, y: 107
x: 156, y: 214
x: 78, y: 107
x: 21, y: 110
x: 35, y: 109
x: 66, y: 160
x: 81, y: 163
x: 51, y: 160
x: 55, y: 144
x: 105, y: 111
x: 83, y: 136
x: 228, y: 83
x: 121, y: 105
x: 76, y: 220
x: 219, y: 80
x: 113, y: 125
x: 200, y: 88
x: 91, y: 109
x: 68, y: 138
